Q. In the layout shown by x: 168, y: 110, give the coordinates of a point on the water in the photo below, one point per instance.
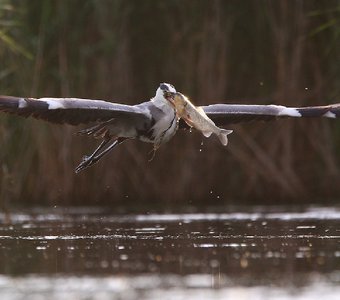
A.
x: 91, y: 254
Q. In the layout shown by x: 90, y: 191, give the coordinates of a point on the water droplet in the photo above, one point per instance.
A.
x: 214, y: 263
x: 104, y: 264
x: 41, y: 247
x: 123, y: 257
x: 158, y: 258
x: 244, y: 262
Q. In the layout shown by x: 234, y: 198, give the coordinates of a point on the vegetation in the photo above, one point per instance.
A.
x: 284, y: 52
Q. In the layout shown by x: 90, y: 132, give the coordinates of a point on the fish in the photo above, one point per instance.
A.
x: 196, y: 117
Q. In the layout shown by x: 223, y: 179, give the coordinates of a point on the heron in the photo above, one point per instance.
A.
x: 154, y: 121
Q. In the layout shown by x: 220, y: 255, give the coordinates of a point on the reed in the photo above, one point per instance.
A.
x: 215, y: 51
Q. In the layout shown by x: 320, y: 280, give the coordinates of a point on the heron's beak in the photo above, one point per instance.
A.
x: 170, y: 97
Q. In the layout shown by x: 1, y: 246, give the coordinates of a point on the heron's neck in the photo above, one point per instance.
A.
x: 161, y: 103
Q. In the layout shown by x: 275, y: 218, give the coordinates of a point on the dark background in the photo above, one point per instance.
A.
x: 252, y: 52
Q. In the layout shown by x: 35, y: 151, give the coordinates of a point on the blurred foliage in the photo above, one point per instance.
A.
x: 283, y: 52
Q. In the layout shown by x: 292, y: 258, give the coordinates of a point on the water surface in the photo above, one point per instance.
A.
x: 90, y: 253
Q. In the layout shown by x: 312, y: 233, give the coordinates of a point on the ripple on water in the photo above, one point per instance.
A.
x: 151, y: 287
x: 217, y: 247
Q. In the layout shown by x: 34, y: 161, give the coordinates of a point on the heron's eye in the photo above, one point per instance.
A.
x: 164, y: 87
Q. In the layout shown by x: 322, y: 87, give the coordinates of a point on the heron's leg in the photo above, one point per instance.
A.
x: 153, y: 151
x: 108, y: 149
x: 96, y: 129
x: 102, y: 145
x: 86, y: 162
x: 94, y: 157
x: 90, y: 130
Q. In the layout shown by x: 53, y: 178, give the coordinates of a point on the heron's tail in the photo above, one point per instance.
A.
x: 223, y: 136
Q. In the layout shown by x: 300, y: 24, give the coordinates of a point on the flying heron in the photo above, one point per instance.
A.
x: 154, y: 121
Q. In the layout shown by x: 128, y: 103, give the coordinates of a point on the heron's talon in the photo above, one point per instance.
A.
x: 85, y: 158
x: 83, y: 165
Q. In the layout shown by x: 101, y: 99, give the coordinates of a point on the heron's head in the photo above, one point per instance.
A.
x: 166, y: 91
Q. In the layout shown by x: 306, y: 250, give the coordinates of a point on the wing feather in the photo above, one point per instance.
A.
x: 225, y: 114
x: 72, y: 111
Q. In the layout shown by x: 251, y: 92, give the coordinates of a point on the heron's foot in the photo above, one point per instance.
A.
x: 85, y: 157
x: 86, y: 131
x: 153, y: 152
x: 88, y: 161
x: 85, y: 163
x: 98, y: 131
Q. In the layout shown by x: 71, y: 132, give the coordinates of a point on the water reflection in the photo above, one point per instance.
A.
x: 153, y: 287
x: 219, y: 250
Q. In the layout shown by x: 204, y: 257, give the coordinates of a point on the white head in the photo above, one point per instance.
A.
x: 166, y: 91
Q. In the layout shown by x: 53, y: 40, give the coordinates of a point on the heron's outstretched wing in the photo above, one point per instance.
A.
x: 72, y: 111
x: 225, y: 114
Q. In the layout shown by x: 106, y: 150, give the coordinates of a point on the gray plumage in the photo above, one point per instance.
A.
x: 154, y: 121
x: 226, y: 114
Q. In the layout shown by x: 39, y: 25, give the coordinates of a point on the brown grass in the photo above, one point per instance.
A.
x: 214, y: 51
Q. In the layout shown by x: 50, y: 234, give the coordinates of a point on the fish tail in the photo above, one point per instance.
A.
x: 223, y: 136
x: 207, y: 133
